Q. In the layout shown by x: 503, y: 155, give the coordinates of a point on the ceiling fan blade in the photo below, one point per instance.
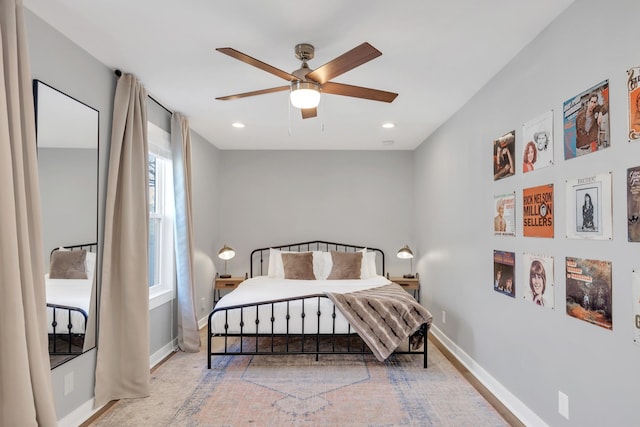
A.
x: 308, y: 113
x: 343, y: 63
x: 254, y: 93
x: 257, y: 63
x: 358, y: 92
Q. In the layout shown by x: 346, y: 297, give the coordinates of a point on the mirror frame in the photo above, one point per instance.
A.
x: 38, y: 89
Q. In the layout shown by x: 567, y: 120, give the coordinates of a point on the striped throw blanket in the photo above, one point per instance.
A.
x: 383, y: 317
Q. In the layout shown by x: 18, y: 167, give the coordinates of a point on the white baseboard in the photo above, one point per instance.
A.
x: 203, y: 322
x: 517, y: 408
x: 160, y: 355
x: 79, y: 415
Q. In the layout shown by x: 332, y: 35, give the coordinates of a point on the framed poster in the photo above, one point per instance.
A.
x: 589, y: 291
x: 537, y: 211
x: 504, y: 151
x: 633, y: 204
x: 537, y: 137
x: 633, y: 90
x: 586, y: 121
x: 589, y: 207
x: 504, y: 279
x: 537, y: 284
x: 504, y: 220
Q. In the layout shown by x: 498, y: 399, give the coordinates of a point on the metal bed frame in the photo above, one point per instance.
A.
x: 59, y: 310
x: 314, y: 343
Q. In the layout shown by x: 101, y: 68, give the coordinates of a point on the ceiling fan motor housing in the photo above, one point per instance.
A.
x: 304, y: 51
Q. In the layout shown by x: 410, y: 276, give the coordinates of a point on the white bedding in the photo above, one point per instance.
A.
x: 69, y: 292
x: 73, y: 293
x: 265, y: 288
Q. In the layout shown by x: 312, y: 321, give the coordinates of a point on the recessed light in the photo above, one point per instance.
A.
x: 388, y: 125
x: 388, y: 142
x: 237, y: 125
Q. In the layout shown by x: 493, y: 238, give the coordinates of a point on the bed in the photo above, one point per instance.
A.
x: 70, y: 292
x: 316, y: 298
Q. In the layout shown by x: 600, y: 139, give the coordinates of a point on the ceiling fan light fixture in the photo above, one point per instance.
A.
x: 305, y: 94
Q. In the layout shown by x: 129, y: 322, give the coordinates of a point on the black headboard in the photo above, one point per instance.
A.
x: 90, y: 247
x: 259, y: 256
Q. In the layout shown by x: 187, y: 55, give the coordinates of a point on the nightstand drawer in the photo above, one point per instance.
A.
x: 225, y: 284
x: 412, y: 285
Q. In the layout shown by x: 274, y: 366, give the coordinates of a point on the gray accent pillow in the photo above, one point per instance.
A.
x: 68, y: 265
x: 346, y: 265
x: 298, y: 266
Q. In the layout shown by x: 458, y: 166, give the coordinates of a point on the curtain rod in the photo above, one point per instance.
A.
x: 118, y: 73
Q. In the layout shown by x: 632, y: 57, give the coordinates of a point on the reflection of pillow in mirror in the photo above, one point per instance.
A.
x: 90, y: 265
x: 298, y: 266
x: 68, y: 265
x: 346, y: 265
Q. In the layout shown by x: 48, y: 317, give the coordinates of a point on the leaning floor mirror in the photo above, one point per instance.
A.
x: 67, y: 139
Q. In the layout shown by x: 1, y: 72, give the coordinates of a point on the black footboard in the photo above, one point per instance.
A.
x: 289, y: 326
x: 62, y: 339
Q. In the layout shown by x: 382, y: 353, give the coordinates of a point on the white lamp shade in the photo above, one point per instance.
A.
x: 405, y: 253
x: 226, y: 253
x: 305, y: 94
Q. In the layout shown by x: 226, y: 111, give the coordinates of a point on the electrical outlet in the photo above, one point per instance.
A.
x: 563, y: 404
x: 202, y: 303
x: 444, y: 316
x: 68, y: 383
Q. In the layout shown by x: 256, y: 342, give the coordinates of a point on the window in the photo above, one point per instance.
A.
x: 161, y: 249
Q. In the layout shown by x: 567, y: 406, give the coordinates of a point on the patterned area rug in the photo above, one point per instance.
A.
x: 340, y: 390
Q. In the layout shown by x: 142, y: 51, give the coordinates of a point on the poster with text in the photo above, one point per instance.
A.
x: 504, y: 151
x: 504, y: 279
x: 586, y: 121
x: 635, y: 284
x: 537, y: 284
x: 537, y: 211
x: 633, y: 89
x: 537, y: 141
x: 589, y: 207
x: 589, y: 291
x: 633, y: 203
x: 504, y: 220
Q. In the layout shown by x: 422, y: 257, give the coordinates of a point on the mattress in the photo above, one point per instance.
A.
x: 263, y: 288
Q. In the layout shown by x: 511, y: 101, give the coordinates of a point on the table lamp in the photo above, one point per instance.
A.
x: 226, y: 253
x: 405, y: 253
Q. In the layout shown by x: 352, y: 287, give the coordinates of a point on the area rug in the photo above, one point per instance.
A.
x: 336, y: 390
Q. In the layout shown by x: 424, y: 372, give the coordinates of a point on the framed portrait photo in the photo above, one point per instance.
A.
x: 589, y: 211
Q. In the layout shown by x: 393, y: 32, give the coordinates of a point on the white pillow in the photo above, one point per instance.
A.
x: 368, y: 268
x: 90, y: 265
x: 273, y: 253
x: 324, y: 263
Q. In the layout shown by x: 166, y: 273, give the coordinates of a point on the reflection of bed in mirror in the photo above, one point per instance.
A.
x: 69, y: 290
x: 67, y: 138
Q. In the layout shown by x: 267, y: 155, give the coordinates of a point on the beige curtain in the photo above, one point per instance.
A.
x: 122, y: 369
x: 188, y: 336
x: 26, y: 393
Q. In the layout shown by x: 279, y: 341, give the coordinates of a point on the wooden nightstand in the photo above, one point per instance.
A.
x: 408, y: 284
x: 228, y: 284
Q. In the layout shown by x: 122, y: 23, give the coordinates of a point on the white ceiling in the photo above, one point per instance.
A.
x: 435, y: 54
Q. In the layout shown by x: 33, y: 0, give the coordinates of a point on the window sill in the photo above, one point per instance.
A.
x: 160, y: 297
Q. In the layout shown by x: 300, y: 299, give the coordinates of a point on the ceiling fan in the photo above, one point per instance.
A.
x: 306, y: 84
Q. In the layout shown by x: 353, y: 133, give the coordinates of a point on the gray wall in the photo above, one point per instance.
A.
x: 279, y: 197
x: 533, y: 352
